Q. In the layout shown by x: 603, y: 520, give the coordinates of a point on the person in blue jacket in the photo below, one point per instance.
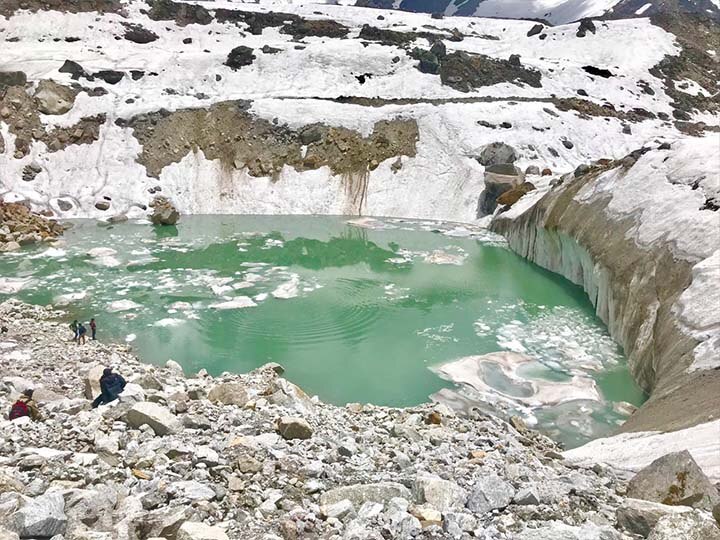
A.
x: 111, y: 385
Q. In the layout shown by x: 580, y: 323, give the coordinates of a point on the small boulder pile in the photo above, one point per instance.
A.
x: 164, y: 212
x: 20, y: 226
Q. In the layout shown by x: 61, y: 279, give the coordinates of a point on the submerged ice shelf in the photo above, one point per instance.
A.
x: 355, y: 310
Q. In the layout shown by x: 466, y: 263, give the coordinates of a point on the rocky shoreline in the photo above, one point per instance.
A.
x: 253, y: 457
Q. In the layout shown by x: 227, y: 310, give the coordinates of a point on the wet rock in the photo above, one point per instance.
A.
x: 358, y: 494
x: 498, y: 180
x: 164, y: 213
x: 43, y: 516
x: 685, y: 526
x: 639, y: 517
x: 160, y: 419
x: 110, y: 76
x: 489, y: 493
x: 443, y: 495
x: 239, y: 57
x: 102, y: 205
x: 74, y: 69
x: 674, y: 479
x: 513, y: 195
x: 497, y: 153
x: 292, y: 427
x: 139, y: 34
x: 536, y: 29
x: 229, y: 394
x: 199, y: 531
x: 567, y: 144
x: 54, y: 98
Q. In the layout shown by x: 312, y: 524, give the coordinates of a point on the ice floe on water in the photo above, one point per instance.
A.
x: 69, y: 298
x: 13, y: 285
x: 369, y: 223
x: 49, y: 253
x: 438, y: 335
x: 122, y: 305
x: 169, y: 321
x: 440, y: 256
x: 239, y: 302
x: 289, y: 289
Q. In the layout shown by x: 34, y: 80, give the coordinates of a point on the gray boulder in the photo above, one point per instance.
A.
x: 164, y: 213
x: 443, y: 495
x: 498, y: 180
x: 54, y: 98
x: 490, y: 492
x: 532, y: 169
x: 639, y: 517
x: 192, y: 530
x: 229, y: 394
x: 6, y: 534
x: 497, y: 153
x: 12, y: 78
x: 42, y: 516
x: 358, y: 494
x: 674, y: 479
x: 292, y: 427
x: 557, y: 530
x: 685, y: 526
x: 159, y: 418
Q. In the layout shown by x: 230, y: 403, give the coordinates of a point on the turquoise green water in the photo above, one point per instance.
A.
x: 353, y: 314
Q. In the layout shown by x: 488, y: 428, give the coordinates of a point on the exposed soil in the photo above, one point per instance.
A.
x: 20, y: 112
x: 227, y: 132
x: 8, y: 7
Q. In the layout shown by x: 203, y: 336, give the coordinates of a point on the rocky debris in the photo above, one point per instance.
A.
x: 30, y: 171
x: 387, y: 37
x: 586, y: 25
x: 239, y: 57
x: 139, y: 34
x: 301, y: 28
x: 292, y: 427
x: 12, y: 78
x: 675, y: 479
x: 639, y: 517
x: 228, y: 133
x: 429, y: 62
x: 180, y: 466
x: 8, y: 7
x: 465, y: 72
x: 685, y: 526
x: 498, y: 180
x: 183, y: 14
x: 497, y: 153
x: 164, y: 213
x: 229, y: 394
x: 513, y: 195
x: 20, y: 226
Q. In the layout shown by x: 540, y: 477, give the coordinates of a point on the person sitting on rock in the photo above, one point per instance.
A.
x: 81, y: 331
x: 111, y: 385
x: 25, y: 406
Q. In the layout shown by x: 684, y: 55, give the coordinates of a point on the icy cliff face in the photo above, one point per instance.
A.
x: 302, y: 87
x: 641, y: 236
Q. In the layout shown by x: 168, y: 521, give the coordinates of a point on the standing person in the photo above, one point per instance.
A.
x: 74, y: 326
x: 93, y: 328
x: 111, y: 385
x: 81, y: 334
x: 25, y: 406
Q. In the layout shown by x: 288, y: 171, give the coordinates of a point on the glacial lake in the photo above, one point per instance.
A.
x: 358, y: 310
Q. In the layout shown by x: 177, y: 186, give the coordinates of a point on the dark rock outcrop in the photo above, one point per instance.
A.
x: 164, y: 213
x: 239, y: 57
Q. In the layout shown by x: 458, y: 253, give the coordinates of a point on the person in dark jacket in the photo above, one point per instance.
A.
x: 111, y: 385
x: 93, y: 329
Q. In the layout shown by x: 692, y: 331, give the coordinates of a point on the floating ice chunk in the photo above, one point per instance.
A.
x: 238, y: 302
x: 65, y: 299
x: 289, y: 289
x: 458, y: 232
x: 221, y: 289
x: 443, y: 257
x: 168, y: 322
x: 181, y: 306
x: 13, y: 285
x: 101, y: 252
x: 272, y: 243
x: 122, y: 305
x: 369, y: 223
x: 260, y: 297
x: 130, y: 338
x: 242, y: 285
x: 252, y: 277
x: 50, y: 253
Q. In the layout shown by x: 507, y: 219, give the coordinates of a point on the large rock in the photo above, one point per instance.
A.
x: 229, y: 394
x: 358, y: 494
x: 490, y: 492
x: 497, y: 153
x: 42, y: 516
x: 54, y: 98
x: 91, y: 381
x: 191, y: 530
x: 9, y: 483
x: 239, y: 57
x: 639, y: 517
x: 12, y: 78
x: 156, y: 416
x: 556, y: 530
x: 443, y: 495
x: 686, y: 526
x: 498, y: 180
x: 291, y: 427
x: 674, y: 479
x: 290, y: 396
x: 164, y: 213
